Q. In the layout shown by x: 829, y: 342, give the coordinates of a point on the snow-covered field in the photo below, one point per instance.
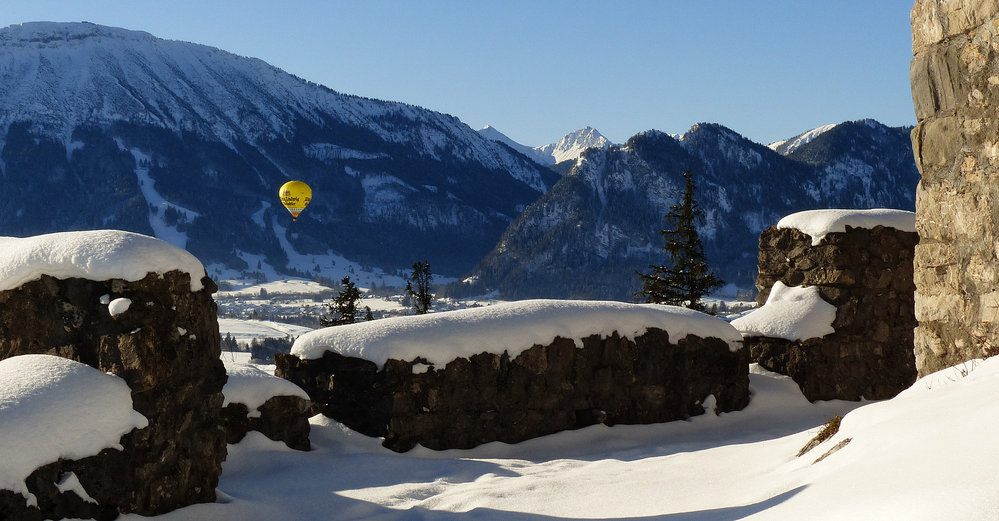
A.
x: 928, y: 454
x: 245, y: 331
x: 249, y: 310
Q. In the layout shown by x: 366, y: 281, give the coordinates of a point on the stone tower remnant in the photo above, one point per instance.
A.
x: 955, y: 92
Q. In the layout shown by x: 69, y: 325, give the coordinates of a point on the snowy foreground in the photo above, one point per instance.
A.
x: 928, y: 454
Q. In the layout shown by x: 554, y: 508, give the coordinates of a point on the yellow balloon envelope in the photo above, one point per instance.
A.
x: 295, y: 196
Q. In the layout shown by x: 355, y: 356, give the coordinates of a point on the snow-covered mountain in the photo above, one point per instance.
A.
x: 591, y: 232
x: 569, y: 148
x: 572, y: 145
x: 786, y: 146
x: 106, y: 127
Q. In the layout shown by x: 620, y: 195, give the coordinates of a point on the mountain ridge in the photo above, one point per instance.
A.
x: 83, y: 105
x: 567, y: 148
x: 109, y: 128
x: 589, y: 235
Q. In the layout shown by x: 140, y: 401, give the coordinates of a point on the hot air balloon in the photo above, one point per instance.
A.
x: 295, y: 196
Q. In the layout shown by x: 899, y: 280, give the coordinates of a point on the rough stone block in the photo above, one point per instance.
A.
x: 166, y: 347
x: 867, y: 274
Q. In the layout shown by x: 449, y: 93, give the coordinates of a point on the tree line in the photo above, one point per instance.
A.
x: 343, y: 309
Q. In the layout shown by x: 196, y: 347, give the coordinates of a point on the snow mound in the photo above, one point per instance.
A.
x: 252, y: 387
x: 795, y: 313
x: 119, y: 306
x: 93, y: 255
x: 928, y: 453
x: 512, y: 327
x: 52, y: 408
x: 819, y: 223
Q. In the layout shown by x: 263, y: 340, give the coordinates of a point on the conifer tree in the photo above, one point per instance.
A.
x: 418, y: 287
x: 685, y: 277
x: 343, y: 310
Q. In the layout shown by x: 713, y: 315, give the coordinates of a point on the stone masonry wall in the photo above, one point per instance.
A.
x: 166, y: 347
x: 543, y: 390
x: 955, y: 92
x: 867, y: 275
x: 280, y: 418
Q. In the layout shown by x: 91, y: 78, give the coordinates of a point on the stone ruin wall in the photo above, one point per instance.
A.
x: 867, y: 275
x: 955, y: 92
x: 543, y: 390
x: 166, y: 347
x: 280, y: 418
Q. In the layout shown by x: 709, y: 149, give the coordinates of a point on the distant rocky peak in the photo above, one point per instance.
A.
x: 574, y: 143
x: 568, y: 148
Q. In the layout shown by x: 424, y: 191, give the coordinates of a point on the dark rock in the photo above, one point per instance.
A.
x: 545, y: 389
x: 282, y: 418
x: 166, y: 348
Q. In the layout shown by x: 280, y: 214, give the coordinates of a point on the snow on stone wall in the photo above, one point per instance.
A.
x: 511, y: 327
x: 516, y: 371
x: 865, y: 276
x: 53, y: 408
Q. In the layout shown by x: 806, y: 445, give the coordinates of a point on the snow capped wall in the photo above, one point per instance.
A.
x: 819, y: 223
x: 836, y: 307
x: 510, y: 327
x: 258, y: 401
x: 252, y: 387
x: 93, y: 255
x: 52, y: 408
x: 515, y: 371
x: 96, y: 297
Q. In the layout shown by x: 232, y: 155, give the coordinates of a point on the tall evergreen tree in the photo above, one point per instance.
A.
x: 685, y: 277
x: 418, y: 287
x: 343, y: 309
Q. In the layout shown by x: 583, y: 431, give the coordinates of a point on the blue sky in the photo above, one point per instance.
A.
x: 537, y: 70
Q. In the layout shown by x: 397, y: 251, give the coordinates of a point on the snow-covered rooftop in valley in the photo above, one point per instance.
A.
x: 248, y: 330
x: 52, y: 408
x: 819, y: 223
x: 93, y: 255
x: 252, y: 387
x: 795, y: 313
x: 512, y: 327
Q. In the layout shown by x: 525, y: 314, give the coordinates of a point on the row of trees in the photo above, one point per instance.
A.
x: 343, y: 309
